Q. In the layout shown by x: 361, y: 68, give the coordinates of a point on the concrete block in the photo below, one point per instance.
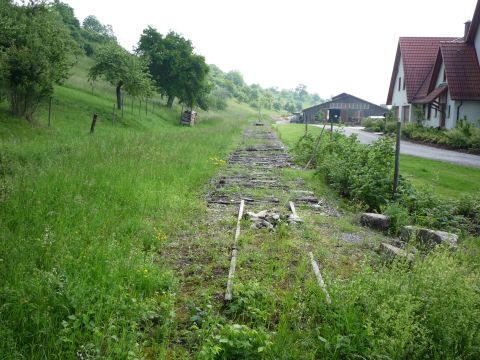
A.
x: 375, y: 221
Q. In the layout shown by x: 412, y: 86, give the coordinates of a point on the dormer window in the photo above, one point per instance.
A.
x: 399, y: 83
x: 444, y: 76
x: 403, y: 84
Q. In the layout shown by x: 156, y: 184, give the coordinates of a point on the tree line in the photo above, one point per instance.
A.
x: 40, y: 42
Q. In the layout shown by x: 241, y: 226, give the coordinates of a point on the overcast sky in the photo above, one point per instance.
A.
x: 330, y: 46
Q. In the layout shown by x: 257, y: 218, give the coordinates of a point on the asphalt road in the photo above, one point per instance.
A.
x: 423, y: 151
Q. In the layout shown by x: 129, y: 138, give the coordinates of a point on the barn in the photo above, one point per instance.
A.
x: 353, y: 109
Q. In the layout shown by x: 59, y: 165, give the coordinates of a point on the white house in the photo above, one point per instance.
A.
x: 438, y: 79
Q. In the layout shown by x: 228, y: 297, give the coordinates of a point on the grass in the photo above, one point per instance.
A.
x: 446, y: 180
x: 82, y: 217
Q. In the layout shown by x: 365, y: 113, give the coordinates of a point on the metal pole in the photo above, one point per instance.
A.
x: 397, y: 160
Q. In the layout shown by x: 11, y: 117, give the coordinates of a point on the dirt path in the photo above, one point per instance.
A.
x: 273, y: 263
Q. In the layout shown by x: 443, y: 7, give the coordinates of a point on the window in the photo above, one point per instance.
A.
x: 406, y: 113
x: 444, y: 76
x: 403, y: 84
x: 448, y: 112
x: 399, y: 83
x: 436, y: 112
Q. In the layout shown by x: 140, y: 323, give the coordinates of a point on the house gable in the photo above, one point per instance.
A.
x: 419, y: 55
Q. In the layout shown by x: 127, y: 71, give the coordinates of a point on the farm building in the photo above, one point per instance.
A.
x: 353, y: 109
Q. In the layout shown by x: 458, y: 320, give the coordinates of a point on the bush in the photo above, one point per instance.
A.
x: 303, y: 149
x: 464, y: 136
x: 373, y: 125
x: 362, y: 173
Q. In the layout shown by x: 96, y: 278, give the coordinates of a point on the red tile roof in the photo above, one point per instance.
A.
x: 462, y: 70
x: 419, y: 56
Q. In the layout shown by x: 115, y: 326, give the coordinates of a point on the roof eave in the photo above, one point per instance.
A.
x: 472, y: 32
x: 393, y: 80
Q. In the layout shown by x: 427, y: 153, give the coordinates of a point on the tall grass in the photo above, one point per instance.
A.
x: 425, y: 310
x: 83, y: 215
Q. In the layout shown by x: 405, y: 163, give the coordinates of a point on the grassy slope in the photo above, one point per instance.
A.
x: 447, y: 180
x: 82, y: 217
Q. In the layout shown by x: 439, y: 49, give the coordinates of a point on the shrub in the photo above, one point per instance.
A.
x: 303, y: 149
x: 373, y: 125
x: 362, y: 173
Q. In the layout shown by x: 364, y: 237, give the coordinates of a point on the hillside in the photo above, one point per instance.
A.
x: 82, y: 216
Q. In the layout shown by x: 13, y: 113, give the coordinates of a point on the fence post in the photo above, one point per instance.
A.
x: 397, y: 159
x: 94, y: 122
x: 50, y: 112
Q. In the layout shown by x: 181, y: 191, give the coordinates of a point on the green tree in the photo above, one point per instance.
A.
x: 236, y: 77
x: 35, y: 53
x: 122, y: 70
x: 92, y: 24
x: 195, y: 86
x: 175, y: 69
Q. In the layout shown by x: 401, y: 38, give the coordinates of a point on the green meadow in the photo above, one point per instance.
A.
x: 82, y: 217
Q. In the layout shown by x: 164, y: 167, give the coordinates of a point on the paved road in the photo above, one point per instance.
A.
x: 423, y: 151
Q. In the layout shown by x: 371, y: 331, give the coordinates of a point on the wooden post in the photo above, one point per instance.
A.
x: 50, y: 112
x: 239, y: 219
x: 94, y: 122
x: 316, y: 270
x: 396, y: 173
x: 113, y: 115
x: 231, y: 273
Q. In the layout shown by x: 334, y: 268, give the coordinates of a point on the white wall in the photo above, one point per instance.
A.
x: 400, y: 97
x: 471, y: 109
x: 451, y: 120
x: 477, y: 43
